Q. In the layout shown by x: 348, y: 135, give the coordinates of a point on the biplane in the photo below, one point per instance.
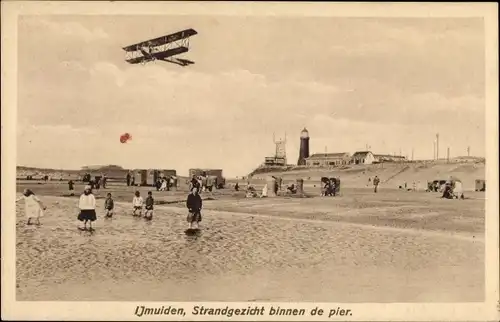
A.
x: 161, y: 48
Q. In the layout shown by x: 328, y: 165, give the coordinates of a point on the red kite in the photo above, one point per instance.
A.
x: 125, y: 137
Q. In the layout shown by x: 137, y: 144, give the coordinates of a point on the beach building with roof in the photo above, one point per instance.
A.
x: 363, y: 157
x: 328, y: 159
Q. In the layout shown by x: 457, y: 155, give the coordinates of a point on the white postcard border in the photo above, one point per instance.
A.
x: 12, y: 309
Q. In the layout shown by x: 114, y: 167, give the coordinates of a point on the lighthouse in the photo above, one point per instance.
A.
x: 304, y: 147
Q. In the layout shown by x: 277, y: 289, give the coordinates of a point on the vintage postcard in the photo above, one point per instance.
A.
x: 249, y: 161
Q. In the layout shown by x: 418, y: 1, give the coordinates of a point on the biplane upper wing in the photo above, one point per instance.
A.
x: 163, y: 39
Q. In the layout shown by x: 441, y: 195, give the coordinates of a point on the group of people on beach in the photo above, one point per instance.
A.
x: 34, y: 207
x: 93, y: 183
x: 87, y: 206
x: 331, y: 186
x: 88, y: 214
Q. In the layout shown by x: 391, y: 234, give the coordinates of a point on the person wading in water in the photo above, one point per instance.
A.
x: 33, y: 206
x: 137, y: 203
x: 194, y: 205
x: 109, y: 205
x: 87, y: 208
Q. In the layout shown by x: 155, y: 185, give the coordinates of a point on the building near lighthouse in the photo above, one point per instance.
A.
x: 363, y: 157
x: 304, y: 147
x: 328, y: 159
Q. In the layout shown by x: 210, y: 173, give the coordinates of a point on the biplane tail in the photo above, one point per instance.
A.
x: 184, y: 61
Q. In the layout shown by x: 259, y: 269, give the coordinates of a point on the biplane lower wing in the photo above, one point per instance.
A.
x: 162, y: 40
x: 162, y: 55
x: 169, y: 53
x: 138, y: 60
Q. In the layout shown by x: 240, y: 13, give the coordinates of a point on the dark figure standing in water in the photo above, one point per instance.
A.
x: 194, y: 204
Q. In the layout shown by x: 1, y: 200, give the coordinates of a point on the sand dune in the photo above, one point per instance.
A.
x: 391, y: 175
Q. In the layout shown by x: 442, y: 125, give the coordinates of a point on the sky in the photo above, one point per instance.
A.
x: 388, y: 83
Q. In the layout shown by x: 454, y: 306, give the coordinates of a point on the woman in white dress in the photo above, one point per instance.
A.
x: 33, y: 206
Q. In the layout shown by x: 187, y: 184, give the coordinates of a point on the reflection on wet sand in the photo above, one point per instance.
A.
x: 240, y: 257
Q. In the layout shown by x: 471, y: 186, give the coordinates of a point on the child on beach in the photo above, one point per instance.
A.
x: 33, y: 206
x: 149, y: 206
x: 109, y: 205
x: 137, y: 203
x: 87, y: 207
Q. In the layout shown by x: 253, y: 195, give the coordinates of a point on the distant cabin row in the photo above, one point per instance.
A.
x: 139, y: 177
x: 362, y: 157
x: 338, y: 159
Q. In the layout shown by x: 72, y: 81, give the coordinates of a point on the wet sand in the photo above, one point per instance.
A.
x: 360, y: 247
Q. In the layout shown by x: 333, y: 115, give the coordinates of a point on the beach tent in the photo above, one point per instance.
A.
x: 480, y: 185
x: 265, y: 190
x: 439, y: 182
x: 211, y: 181
x: 457, y: 187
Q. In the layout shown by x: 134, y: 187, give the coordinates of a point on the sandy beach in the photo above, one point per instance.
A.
x: 394, y: 246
